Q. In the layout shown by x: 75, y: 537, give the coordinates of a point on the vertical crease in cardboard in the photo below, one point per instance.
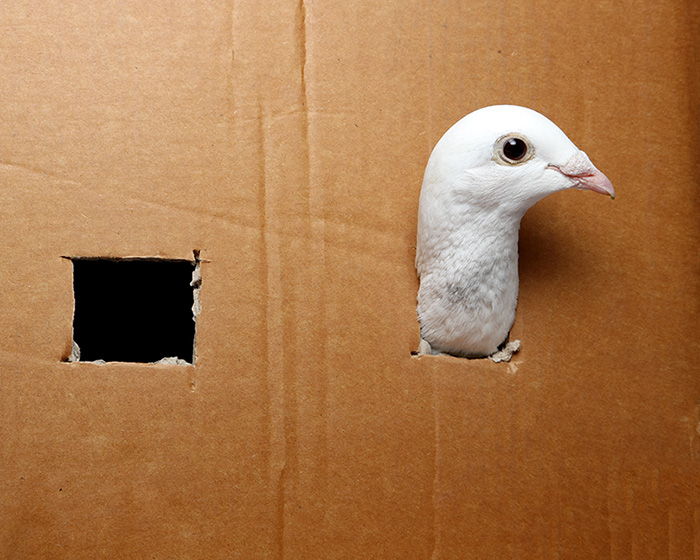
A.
x: 232, y: 34
x: 301, y: 29
x: 317, y: 231
x: 274, y: 346
x: 436, y: 476
x: 301, y: 33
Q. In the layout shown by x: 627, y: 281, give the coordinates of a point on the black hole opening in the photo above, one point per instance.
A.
x: 133, y: 310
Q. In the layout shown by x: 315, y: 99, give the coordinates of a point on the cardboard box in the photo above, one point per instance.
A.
x: 286, y: 142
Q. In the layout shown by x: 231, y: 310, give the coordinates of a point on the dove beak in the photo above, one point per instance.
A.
x: 585, y: 175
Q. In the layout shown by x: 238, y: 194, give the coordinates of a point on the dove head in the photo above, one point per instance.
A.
x: 503, y: 159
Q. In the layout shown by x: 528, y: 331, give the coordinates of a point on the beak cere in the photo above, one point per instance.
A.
x: 585, y: 176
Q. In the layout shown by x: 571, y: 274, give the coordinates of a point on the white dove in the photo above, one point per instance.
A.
x: 482, y: 176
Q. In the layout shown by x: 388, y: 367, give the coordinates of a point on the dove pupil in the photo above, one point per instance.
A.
x: 515, y: 149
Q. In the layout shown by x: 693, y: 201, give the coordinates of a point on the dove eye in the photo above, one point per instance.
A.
x: 512, y: 149
x: 515, y: 149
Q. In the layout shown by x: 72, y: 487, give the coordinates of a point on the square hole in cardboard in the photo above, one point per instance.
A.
x: 134, y: 310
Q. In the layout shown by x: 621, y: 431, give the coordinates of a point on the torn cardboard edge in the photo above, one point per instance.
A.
x: 196, y: 283
x: 171, y: 361
x: 503, y: 355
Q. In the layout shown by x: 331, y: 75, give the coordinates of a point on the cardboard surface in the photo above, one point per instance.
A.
x: 286, y: 141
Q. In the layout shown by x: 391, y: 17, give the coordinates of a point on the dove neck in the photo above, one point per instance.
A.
x: 467, y: 232
x: 500, y: 220
x: 494, y: 230
x: 488, y: 233
x: 470, y: 238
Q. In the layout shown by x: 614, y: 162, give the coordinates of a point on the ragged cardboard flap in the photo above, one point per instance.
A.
x: 286, y: 141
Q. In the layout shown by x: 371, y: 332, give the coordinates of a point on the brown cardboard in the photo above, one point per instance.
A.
x: 286, y: 141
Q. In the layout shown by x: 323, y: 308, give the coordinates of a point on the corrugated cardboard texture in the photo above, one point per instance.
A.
x: 287, y: 142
